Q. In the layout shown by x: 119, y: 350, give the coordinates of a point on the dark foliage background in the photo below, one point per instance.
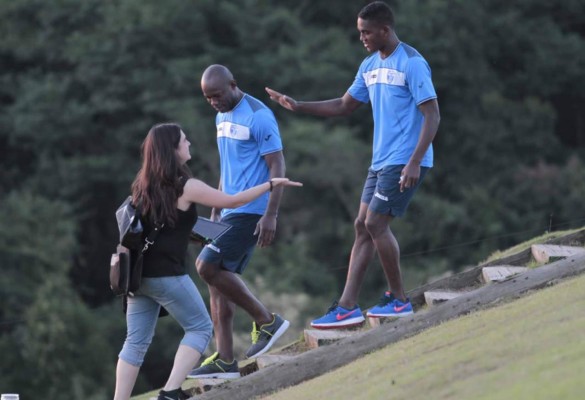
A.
x: 82, y: 82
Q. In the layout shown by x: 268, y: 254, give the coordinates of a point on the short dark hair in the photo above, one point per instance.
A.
x: 379, y: 12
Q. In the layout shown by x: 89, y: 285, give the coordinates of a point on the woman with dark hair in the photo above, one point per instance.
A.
x: 168, y: 194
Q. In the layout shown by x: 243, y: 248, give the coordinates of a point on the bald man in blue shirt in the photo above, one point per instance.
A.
x: 250, y: 150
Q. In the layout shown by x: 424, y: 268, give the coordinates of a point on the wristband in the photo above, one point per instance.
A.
x: 271, y: 186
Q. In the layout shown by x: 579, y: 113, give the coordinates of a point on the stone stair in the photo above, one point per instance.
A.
x: 247, y: 367
x: 545, y: 253
x: 460, y: 286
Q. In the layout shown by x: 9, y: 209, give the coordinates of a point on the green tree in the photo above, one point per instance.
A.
x: 81, y: 84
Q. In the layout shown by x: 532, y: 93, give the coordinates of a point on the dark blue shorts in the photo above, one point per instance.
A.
x: 382, y: 190
x: 233, y: 250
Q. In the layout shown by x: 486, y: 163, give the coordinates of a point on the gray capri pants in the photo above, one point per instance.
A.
x: 180, y: 297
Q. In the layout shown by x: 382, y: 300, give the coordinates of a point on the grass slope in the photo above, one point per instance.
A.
x: 532, y: 348
x: 524, y: 245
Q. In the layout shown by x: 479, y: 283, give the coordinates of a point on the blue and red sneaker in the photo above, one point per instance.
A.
x: 339, y: 317
x: 390, y: 306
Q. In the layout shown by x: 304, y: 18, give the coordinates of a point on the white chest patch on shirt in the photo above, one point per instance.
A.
x: 233, y: 131
x: 385, y: 76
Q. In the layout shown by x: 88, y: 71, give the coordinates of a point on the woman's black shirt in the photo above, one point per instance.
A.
x: 167, y: 256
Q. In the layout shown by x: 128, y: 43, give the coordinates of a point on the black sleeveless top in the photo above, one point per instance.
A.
x: 167, y: 256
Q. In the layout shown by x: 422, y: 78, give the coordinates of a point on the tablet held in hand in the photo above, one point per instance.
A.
x: 206, y: 231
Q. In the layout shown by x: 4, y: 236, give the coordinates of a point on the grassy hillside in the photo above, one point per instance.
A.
x: 526, y: 349
x: 524, y: 245
x: 532, y: 348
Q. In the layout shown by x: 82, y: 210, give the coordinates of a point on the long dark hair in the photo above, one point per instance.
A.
x: 160, y: 181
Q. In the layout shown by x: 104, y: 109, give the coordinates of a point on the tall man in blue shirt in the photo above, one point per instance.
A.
x: 396, y: 79
x: 250, y: 151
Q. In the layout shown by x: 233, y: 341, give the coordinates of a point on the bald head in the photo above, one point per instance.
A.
x: 219, y: 88
x: 217, y: 74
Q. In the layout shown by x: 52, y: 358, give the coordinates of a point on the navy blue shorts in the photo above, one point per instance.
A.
x: 382, y: 190
x: 233, y: 250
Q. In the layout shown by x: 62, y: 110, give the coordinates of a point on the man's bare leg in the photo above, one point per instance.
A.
x: 222, y: 315
x: 388, y: 251
x: 362, y: 253
x: 233, y: 288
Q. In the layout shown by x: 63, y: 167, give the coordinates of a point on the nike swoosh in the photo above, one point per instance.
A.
x: 340, y: 317
x: 267, y: 138
x: 398, y: 309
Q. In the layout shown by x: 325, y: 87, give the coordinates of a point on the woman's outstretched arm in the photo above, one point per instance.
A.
x: 199, y: 192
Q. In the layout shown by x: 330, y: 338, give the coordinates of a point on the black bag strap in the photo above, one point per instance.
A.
x: 149, y: 241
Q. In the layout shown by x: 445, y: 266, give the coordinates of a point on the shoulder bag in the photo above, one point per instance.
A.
x: 125, y: 272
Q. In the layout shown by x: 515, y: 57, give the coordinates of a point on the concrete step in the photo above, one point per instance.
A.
x: 376, y: 321
x: 251, y: 365
x: 545, y: 253
x: 437, y: 297
x: 269, y: 359
x: 205, y: 384
x: 316, y: 338
x: 498, y: 273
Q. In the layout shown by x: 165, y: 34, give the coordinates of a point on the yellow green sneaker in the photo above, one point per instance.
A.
x: 215, y: 368
x: 264, y: 338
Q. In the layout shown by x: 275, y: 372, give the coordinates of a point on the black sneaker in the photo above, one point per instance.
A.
x: 264, y: 338
x: 215, y: 368
x: 176, y: 394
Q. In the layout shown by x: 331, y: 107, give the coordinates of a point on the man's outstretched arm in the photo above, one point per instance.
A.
x: 327, y: 108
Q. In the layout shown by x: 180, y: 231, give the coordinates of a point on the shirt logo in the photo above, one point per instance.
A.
x: 233, y: 131
x: 385, y: 76
x: 267, y: 138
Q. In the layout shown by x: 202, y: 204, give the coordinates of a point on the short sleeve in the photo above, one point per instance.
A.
x: 418, y: 77
x: 359, y: 90
x: 265, y: 131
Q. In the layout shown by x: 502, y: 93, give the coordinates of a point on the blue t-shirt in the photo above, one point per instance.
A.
x: 395, y: 86
x: 244, y: 135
